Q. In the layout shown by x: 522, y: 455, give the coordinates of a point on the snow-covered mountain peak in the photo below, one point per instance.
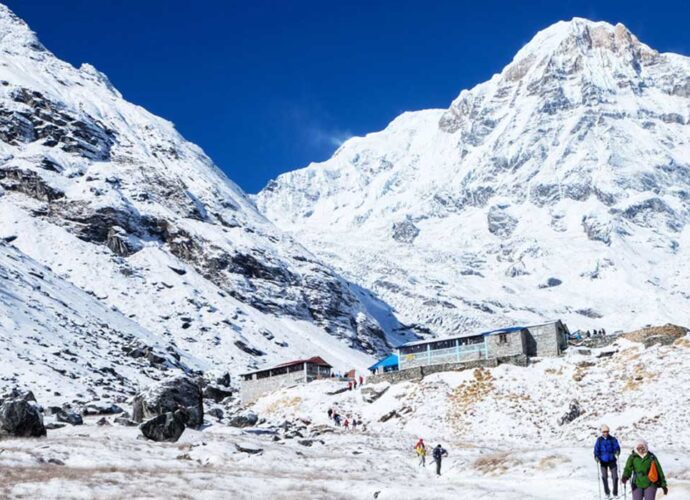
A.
x: 570, y: 162
x: 15, y: 34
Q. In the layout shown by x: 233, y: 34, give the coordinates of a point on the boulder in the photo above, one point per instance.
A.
x: 244, y: 419
x: 69, y: 417
x: 216, y: 393
x: 166, y: 427
x: 167, y: 396
x: 21, y: 418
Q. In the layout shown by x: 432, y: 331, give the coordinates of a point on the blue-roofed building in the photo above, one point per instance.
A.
x: 546, y: 339
x: 387, y: 364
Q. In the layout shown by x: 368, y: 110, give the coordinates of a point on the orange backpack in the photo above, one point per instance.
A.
x: 653, y: 475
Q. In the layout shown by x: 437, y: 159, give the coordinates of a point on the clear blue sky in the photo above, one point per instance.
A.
x: 266, y: 87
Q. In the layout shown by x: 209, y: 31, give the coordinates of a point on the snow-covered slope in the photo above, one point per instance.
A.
x: 116, y: 202
x: 558, y: 188
x: 65, y: 345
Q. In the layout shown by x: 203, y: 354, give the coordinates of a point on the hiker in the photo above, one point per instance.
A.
x: 354, y: 383
x: 439, y: 453
x: 349, y: 386
x: 420, y: 448
x: 354, y: 424
x: 346, y: 424
x: 361, y: 381
x: 336, y: 418
x: 646, y: 473
x: 330, y: 413
x: 606, y: 451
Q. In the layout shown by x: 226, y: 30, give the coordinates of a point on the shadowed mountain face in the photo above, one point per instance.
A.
x: 117, y: 203
x: 559, y: 188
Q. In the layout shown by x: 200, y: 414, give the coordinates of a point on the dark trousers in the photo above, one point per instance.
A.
x: 644, y: 493
x: 438, y: 466
x: 613, y: 467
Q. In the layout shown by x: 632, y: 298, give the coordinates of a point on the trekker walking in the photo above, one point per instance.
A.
x: 349, y: 386
x: 420, y: 448
x: 361, y: 381
x: 646, y: 473
x: 330, y: 413
x: 439, y: 453
x: 606, y: 451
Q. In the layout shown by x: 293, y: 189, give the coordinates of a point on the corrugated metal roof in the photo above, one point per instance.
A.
x: 317, y: 360
x: 510, y: 329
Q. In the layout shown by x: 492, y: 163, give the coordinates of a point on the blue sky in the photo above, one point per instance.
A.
x: 267, y: 87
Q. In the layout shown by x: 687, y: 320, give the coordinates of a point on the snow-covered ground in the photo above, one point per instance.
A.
x: 499, y: 425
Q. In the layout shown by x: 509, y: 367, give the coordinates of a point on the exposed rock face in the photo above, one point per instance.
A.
x: 84, y: 172
x: 21, y: 418
x: 168, y: 426
x: 166, y: 397
x: 573, y: 155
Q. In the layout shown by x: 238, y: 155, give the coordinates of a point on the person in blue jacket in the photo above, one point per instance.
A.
x: 606, y: 451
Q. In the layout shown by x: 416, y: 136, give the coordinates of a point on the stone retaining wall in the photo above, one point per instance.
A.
x: 419, y: 372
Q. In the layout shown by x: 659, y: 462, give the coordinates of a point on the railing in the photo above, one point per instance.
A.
x: 456, y: 354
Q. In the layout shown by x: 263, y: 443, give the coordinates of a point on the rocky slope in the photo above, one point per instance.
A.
x: 116, y: 202
x: 558, y: 188
x: 65, y: 345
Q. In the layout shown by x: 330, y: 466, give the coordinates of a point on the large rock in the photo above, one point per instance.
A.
x: 166, y: 427
x: 21, y: 418
x: 371, y: 393
x: 167, y: 396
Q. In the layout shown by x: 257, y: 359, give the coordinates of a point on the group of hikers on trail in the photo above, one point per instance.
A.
x: 642, y: 467
x: 438, y: 453
x: 348, y: 423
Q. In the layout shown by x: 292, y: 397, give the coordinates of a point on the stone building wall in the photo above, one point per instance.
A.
x: 548, y: 339
x: 251, y: 390
x: 515, y: 344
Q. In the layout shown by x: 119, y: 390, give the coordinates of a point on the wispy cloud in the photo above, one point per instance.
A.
x: 324, y: 137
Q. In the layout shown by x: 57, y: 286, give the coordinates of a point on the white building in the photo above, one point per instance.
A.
x: 257, y: 383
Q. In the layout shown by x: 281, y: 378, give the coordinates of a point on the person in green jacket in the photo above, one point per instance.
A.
x: 638, y: 467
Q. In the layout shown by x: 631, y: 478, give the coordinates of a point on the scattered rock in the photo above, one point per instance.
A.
x: 69, y: 417
x: 52, y: 426
x: 166, y: 427
x: 389, y: 415
x: 167, y: 396
x: 550, y: 283
x: 663, y: 335
x: 248, y: 448
x: 125, y: 421
x: 101, y: 409
x: 216, y: 412
x: 244, y: 419
x: 371, y: 393
x: 103, y: 421
x: 574, y: 411
x: 216, y: 393
x: 21, y: 418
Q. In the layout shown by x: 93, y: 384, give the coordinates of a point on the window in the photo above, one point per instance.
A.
x: 502, y: 338
x: 412, y: 349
